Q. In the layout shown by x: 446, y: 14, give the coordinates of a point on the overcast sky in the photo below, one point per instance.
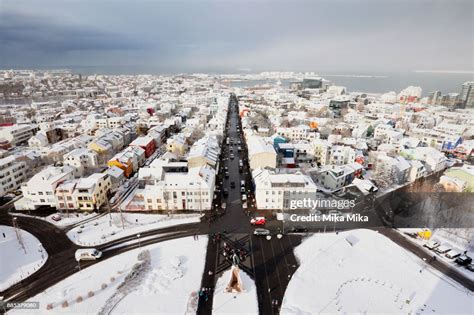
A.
x: 340, y: 36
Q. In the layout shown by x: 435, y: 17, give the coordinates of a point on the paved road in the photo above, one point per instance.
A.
x: 61, y: 262
x: 270, y: 263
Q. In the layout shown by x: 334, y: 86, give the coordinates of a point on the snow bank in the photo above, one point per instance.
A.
x: 373, y: 276
x: 161, y: 283
x: 110, y: 227
x: 231, y: 303
x: 17, y: 261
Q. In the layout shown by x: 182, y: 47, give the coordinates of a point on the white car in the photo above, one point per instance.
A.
x: 431, y: 245
x: 88, y: 254
x: 261, y: 231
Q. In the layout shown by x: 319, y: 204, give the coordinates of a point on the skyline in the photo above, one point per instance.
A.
x: 226, y: 36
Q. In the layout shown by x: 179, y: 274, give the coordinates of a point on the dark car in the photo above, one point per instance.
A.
x: 225, y: 192
x: 470, y: 267
x: 463, y: 260
x: 232, y: 184
x: 299, y: 229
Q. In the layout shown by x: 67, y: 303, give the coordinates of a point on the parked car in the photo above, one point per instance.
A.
x: 242, y: 183
x: 225, y: 192
x: 88, y: 254
x: 232, y: 156
x: 470, y: 267
x: 453, y: 253
x: 443, y: 249
x: 56, y: 218
x: 299, y: 229
x: 226, y: 174
x: 431, y: 245
x: 258, y: 221
x: 244, y: 197
x: 463, y: 260
x: 242, y: 190
x: 261, y: 231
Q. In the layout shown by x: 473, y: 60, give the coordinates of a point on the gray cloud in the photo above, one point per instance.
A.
x: 226, y: 35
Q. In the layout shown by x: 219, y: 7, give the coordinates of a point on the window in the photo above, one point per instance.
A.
x: 40, y: 193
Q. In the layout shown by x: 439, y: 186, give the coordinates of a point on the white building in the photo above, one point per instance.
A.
x: 340, y: 155
x: 433, y: 159
x: 276, y: 191
x: 40, y: 189
x: 261, y: 154
x: 192, y: 190
x: 334, y: 177
x: 301, y: 132
x: 16, y: 134
x: 81, y: 160
x: 204, y: 151
x: 39, y: 140
x: 12, y: 174
x: 92, y: 192
x: 417, y: 170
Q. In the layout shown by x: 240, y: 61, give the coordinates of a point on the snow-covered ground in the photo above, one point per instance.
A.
x: 66, y: 218
x: 162, y: 278
x: 235, y: 303
x: 70, y: 218
x: 18, y: 261
x: 457, y: 239
x: 373, y: 275
x: 109, y: 227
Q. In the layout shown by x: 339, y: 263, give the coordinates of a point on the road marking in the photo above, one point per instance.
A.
x: 276, y: 268
x: 266, y: 275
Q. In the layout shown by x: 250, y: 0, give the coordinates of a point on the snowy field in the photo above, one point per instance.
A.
x: 110, y: 227
x: 162, y: 278
x: 18, y: 262
x: 460, y: 240
x: 373, y: 275
x: 235, y: 303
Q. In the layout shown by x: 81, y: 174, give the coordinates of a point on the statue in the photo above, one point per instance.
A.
x: 235, y: 283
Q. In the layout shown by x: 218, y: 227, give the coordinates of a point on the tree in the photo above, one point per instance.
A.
x: 383, y: 178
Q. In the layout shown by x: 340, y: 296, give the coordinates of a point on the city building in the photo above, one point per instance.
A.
x: 275, y: 191
x: 261, y: 154
x: 81, y: 160
x: 40, y: 189
x: 147, y: 143
x: 17, y: 134
x: 12, y: 174
x: 192, y: 190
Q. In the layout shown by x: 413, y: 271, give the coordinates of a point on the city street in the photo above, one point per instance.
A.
x: 269, y: 262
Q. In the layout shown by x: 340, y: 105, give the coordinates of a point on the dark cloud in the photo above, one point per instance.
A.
x: 42, y: 34
x: 212, y: 35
